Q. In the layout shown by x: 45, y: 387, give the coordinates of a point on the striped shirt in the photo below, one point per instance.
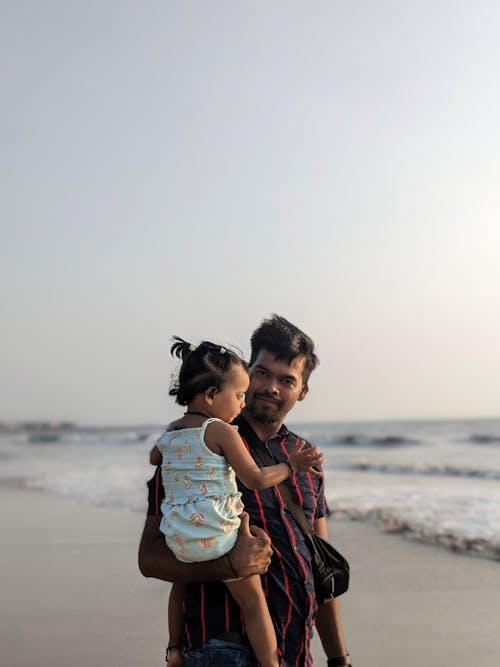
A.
x: 209, y: 608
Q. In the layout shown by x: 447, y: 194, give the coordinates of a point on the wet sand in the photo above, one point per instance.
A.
x: 71, y: 593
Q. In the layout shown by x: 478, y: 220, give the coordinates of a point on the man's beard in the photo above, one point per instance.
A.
x: 269, y: 416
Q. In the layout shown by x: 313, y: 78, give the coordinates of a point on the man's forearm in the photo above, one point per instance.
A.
x: 329, y: 629
x: 251, y: 554
x: 157, y: 561
x: 328, y: 621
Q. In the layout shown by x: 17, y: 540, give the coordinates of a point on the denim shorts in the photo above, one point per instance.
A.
x: 220, y: 653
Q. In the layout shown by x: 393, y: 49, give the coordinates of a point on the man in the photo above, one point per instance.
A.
x: 281, y: 362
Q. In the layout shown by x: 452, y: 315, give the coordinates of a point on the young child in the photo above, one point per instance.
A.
x: 200, y: 454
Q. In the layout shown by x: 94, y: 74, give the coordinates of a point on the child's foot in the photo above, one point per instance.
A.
x: 175, y: 656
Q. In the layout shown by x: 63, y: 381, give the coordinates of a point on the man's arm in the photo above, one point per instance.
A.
x: 328, y: 621
x: 250, y: 555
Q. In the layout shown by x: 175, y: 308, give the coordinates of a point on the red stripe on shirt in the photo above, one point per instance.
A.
x: 301, y: 651
x: 157, y: 489
x: 280, y: 560
x: 287, y: 591
x: 261, y: 512
x: 226, y: 610
x: 202, y: 608
x: 186, y: 628
x: 302, y: 564
x: 314, y: 496
x: 294, y: 478
x: 276, y: 551
x: 290, y: 532
x: 297, y: 555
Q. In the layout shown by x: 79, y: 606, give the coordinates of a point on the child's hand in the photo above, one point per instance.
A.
x: 306, y: 460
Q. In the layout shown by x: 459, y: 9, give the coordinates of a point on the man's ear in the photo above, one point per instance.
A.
x: 209, y: 394
x: 303, y: 392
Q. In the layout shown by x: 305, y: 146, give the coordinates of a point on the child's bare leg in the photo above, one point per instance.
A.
x: 249, y: 595
x: 175, y: 625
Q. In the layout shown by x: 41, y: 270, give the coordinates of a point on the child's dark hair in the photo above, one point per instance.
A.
x: 205, y: 366
x: 286, y: 341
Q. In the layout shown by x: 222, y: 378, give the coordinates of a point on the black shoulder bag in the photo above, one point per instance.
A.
x: 330, y: 568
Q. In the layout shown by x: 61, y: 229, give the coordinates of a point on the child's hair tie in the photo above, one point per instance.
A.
x: 222, y: 350
x: 192, y: 348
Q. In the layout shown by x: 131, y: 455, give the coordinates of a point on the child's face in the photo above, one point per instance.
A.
x: 229, y: 401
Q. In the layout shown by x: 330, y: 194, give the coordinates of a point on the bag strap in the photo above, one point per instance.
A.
x: 262, y: 453
x: 295, y: 510
x: 292, y: 505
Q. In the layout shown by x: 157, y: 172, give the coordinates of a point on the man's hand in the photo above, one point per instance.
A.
x: 250, y: 555
x: 252, y: 552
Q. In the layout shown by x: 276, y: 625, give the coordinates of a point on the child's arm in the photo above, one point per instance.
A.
x: 155, y: 457
x: 231, y: 446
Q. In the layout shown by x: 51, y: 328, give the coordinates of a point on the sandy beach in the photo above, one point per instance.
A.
x: 72, y: 593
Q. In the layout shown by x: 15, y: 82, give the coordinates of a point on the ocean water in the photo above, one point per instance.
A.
x: 438, y: 481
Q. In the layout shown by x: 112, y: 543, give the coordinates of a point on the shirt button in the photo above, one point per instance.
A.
x: 294, y: 547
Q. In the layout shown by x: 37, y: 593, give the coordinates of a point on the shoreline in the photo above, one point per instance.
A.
x: 72, y: 592
x: 385, y: 523
x: 388, y: 524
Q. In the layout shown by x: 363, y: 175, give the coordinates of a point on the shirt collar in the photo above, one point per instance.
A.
x: 242, y: 423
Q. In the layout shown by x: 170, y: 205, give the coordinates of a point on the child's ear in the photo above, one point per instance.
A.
x: 210, y: 394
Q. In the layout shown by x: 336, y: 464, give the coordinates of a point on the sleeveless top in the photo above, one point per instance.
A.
x: 202, y: 503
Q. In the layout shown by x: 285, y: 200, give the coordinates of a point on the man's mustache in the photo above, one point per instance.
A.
x: 268, y: 397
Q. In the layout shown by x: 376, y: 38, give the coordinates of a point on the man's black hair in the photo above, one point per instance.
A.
x: 286, y: 341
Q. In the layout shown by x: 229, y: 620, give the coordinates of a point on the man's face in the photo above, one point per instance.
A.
x: 275, y: 387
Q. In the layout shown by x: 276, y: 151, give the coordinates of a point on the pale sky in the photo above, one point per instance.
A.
x: 192, y: 167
